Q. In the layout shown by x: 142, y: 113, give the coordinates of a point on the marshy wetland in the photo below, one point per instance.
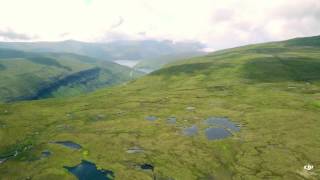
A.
x: 214, y: 117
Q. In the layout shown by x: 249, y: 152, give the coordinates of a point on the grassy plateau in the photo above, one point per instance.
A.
x: 271, y: 90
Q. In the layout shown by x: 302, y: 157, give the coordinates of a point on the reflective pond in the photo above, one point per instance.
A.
x: 172, y: 120
x: 222, y: 122
x: 87, y: 170
x: 147, y: 167
x: 190, y: 131
x: 69, y: 144
x: 216, y: 133
x: 151, y: 118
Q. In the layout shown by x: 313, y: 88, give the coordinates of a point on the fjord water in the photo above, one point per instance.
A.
x: 128, y: 63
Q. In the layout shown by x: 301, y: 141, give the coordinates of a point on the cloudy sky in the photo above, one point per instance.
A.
x: 217, y: 23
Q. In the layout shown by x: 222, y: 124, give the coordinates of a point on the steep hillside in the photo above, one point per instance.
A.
x: 244, y: 113
x: 26, y: 75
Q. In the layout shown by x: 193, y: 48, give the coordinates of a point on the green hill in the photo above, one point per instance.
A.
x: 26, y: 75
x: 156, y: 127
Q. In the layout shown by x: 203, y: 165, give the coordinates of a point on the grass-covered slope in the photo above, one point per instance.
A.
x: 272, y: 90
x: 159, y: 62
x: 37, y: 75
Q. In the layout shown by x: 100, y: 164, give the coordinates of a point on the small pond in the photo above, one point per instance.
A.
x: 46, y: 153
x: 147, y: 167
x: 69, y: 144
x: 190, y: 131
x: 222, y: 122
x: 87, y: 170
x: 217, y: 133
x: 151, y: 118
x: 172, y: 120
x: 134, y: 150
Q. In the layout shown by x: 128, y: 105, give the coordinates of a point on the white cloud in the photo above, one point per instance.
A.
x: 11, y: 35
x: 218, y: 23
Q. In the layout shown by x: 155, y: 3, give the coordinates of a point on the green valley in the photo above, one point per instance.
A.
x: 30, y: 75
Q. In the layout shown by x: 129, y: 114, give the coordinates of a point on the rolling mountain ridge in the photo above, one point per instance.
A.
x: 29, y: 75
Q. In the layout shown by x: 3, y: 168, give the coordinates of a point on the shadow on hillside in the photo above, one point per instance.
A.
x: 46, y: 90
x: 276, y: 69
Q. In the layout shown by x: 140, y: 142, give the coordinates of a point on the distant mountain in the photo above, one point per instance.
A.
x: 29, y: 75
x: 127, y: 50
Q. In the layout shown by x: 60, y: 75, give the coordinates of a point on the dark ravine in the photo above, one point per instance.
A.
x: 46, y: 90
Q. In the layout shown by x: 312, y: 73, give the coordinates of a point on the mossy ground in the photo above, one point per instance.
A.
x: 275, y: 100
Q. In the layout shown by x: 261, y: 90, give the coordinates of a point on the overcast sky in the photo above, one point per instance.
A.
x: 217, y: 23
